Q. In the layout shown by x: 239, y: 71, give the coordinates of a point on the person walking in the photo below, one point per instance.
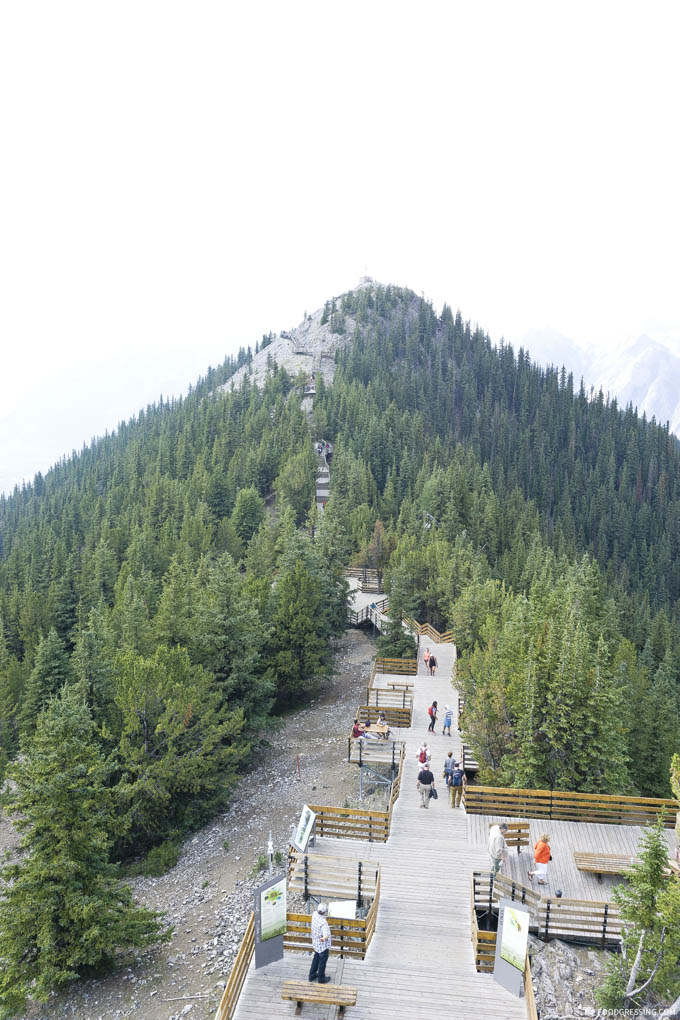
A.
x: 497, y: 846
x: 448, y: 719
x: 432, y: 664
x: 456, y: 786
x: 426, y: 660
x: 432, y: 712
x: 449, y: 764
x: 321, y: 944
x: 541, y: 856
x: 425, y: 785
x: 423, y: 755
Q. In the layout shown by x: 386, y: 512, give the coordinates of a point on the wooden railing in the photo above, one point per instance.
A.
x: 427, y: 630
x: 381, y: 697
x: 369, y: 614
x: 348, y: 937
x: 375, y: 752
x: 568, y: 807
x: 400, y: 667
x: 229, y: 1000
x: 399, y: 717
x: 352, y: 823
x: 589, y: 922
x: 530, y: 1001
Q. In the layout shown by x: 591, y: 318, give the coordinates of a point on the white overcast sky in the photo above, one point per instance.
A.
x: 178, y: 178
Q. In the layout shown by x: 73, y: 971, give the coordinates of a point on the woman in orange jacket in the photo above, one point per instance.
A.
x: 541, y: 856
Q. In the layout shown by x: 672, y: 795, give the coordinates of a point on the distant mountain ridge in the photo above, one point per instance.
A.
x: 643, y: 372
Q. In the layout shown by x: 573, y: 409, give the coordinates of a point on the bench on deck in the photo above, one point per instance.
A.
x: 400, y: 685
x: 517, y: 834
x: 323, y: 995
x: 603, y: 864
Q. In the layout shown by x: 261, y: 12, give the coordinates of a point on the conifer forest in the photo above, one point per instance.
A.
x: 168, y: 591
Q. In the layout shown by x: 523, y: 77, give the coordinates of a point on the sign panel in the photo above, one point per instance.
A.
x: 511, y: 946
x: 514, y: 937
x: 273, y: 910
x: 346, y: 909
x: 304, y: 829
x: 269, y: 905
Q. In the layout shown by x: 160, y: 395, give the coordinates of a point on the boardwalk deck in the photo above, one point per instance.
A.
x: 420, y: 962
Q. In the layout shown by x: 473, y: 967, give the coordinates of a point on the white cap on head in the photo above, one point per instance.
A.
x: 322, y: 908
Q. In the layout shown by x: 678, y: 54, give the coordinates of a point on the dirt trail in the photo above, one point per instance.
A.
x: 207, y: 897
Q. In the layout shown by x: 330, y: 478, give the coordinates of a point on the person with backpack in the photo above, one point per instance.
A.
x: 448, y: 719
x: 432, y: 712
x: 423, y: 756
x: 455, y: 784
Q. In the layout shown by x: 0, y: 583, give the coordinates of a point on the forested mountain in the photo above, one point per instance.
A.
x: 167, y: 591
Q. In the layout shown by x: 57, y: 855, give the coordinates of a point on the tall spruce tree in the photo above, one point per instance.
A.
x: 62, y: 910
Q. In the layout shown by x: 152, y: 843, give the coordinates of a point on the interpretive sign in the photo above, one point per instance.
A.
x: 270, y: 920
x: 304, y: 829
x: 511, y: 946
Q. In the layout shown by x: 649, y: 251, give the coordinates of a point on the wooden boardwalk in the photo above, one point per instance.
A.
x: 420, y: 962
x: 565, y: 837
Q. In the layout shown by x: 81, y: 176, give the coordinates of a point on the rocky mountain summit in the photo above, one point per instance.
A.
x: 309, y: 347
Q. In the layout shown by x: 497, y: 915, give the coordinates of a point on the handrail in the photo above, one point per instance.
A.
x: 232, y: 990
x: 568, y: 806
x: 427, y: 630
x: 532, y: 1011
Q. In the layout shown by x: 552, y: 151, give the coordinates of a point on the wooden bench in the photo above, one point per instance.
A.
x: 517, y: 834
x: 323, y: 995
x: 603, y: 864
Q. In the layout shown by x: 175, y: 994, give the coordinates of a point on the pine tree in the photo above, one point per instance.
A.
x: 297, y: 654
x: 62, y: 910
x: 179, y: 748
x: 228, y: 642
x: 51, y: 672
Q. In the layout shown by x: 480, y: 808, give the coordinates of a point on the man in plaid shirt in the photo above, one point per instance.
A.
x: 321, y: 943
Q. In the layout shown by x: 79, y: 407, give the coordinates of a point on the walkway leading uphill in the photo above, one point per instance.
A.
x: 420, y: 964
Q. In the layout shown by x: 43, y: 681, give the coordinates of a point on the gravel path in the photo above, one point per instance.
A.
x: 207, y: 897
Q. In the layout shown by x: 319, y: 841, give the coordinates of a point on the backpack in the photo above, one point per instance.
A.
x: 422, y: 757
x: 430, y: 711
x: 456, y: 778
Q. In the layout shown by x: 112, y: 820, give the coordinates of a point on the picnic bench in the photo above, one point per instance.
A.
x: 602, y: 863
x: 323, y: 995
x: 400, y: 685
x: 517, y: 834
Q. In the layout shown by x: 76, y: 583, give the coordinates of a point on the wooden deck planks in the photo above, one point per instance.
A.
x: 420, y: 962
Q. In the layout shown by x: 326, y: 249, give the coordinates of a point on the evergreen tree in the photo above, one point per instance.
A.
x: 248, y: 513
x: 62, y: 910
x: 228, y: 642
x: 297, y: 653
x: 51, y: 672
x: 179, y: 748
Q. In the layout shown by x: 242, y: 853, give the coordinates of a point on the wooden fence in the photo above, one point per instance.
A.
x: 427, y: 630
x: 352, y: 823
x: 375, y: 752
x: 400, y: 667
x: 568, y: 807
x: 332, y: 878
x: 229, y: 1000
x: 589, y: 922
x: 349, y: 938
x: 382, y: 697
x: 398, y: 717
x: 369, y: 614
